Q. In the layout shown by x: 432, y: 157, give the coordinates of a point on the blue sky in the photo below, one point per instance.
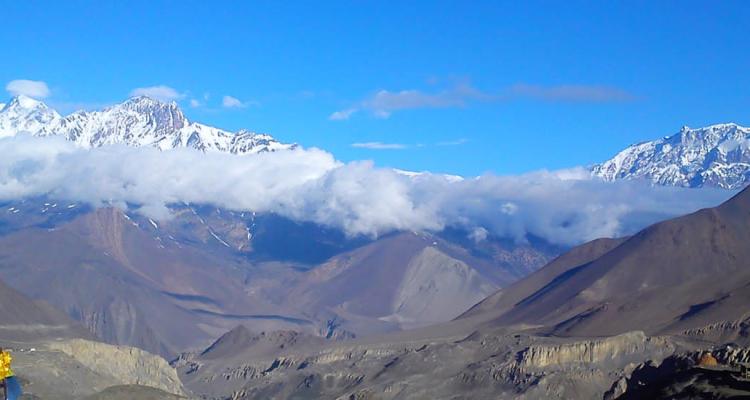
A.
x: 458, y: 87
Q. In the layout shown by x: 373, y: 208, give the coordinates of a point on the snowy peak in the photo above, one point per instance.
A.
x: 22, y: 102
x: 24, y: 107
x: 165, y: 114
x: 24, y: 114
x: 139, y: 121
x: 713, y: 156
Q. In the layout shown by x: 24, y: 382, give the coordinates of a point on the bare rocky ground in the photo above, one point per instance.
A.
x: 69, y: 369
x: 482, y: 365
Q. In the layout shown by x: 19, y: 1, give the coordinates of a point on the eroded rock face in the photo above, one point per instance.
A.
x: 609, y: 350
x: 77, y: 369
x: 126, y: 365
x: 737, y: 331
x: 480, y: 366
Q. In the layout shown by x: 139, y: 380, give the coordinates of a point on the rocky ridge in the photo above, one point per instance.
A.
x: 139, y: 121
x: 479, y: 366
x: 712, y: 156
x: 131, y: 366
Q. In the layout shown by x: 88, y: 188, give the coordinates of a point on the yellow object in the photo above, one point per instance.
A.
x: 5, y: 371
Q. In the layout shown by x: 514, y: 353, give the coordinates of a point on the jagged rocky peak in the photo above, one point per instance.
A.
x: 163, y: 113
x: 139, y: 121
x: 712, y: 156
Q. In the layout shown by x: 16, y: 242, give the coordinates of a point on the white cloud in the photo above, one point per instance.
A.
x: 342, y: 115
x: 195, y: 103
x: 232, y: 102
x: 565, y: 207
x: 456, y: 142
x: 160, y: 92
x: 379, y: 146
x: 383, y: 103
x: 36, y: 89
x: 478, y: 234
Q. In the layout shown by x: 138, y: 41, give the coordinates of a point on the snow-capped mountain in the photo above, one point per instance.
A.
x: 714, y: 156
x: 139, y: 121
x: 24, y: 114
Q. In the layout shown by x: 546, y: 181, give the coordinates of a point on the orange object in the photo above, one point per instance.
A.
x: 707, y: 360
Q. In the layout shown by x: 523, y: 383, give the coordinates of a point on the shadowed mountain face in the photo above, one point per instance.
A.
x: 677, y: 275
x: 130, y: 287
x: 23, y: 318
x: 503, y: 300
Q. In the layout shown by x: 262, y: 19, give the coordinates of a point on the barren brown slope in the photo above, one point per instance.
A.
x: 504, y: 299
x: 22, y: 318
x: 129, y: 286
x: 682, y: 273
x: 402, y: 280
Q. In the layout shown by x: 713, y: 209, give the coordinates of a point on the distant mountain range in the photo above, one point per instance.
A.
x: 139, y: 121
x: 714, y: 156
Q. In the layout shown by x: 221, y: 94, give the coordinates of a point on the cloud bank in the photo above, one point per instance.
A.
x: 565, y: 207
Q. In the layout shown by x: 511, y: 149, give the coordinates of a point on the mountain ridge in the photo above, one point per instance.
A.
x: 138, y: 121
x: 713, y: 156
x: 680, y: 274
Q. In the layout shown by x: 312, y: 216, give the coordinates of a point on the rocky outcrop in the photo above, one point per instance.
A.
x: 126, y: 365
x: 722, y: 332
x: 593, y: 351
x: 733, y: 356
x: 702, y: 374
x: 483, y: 365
